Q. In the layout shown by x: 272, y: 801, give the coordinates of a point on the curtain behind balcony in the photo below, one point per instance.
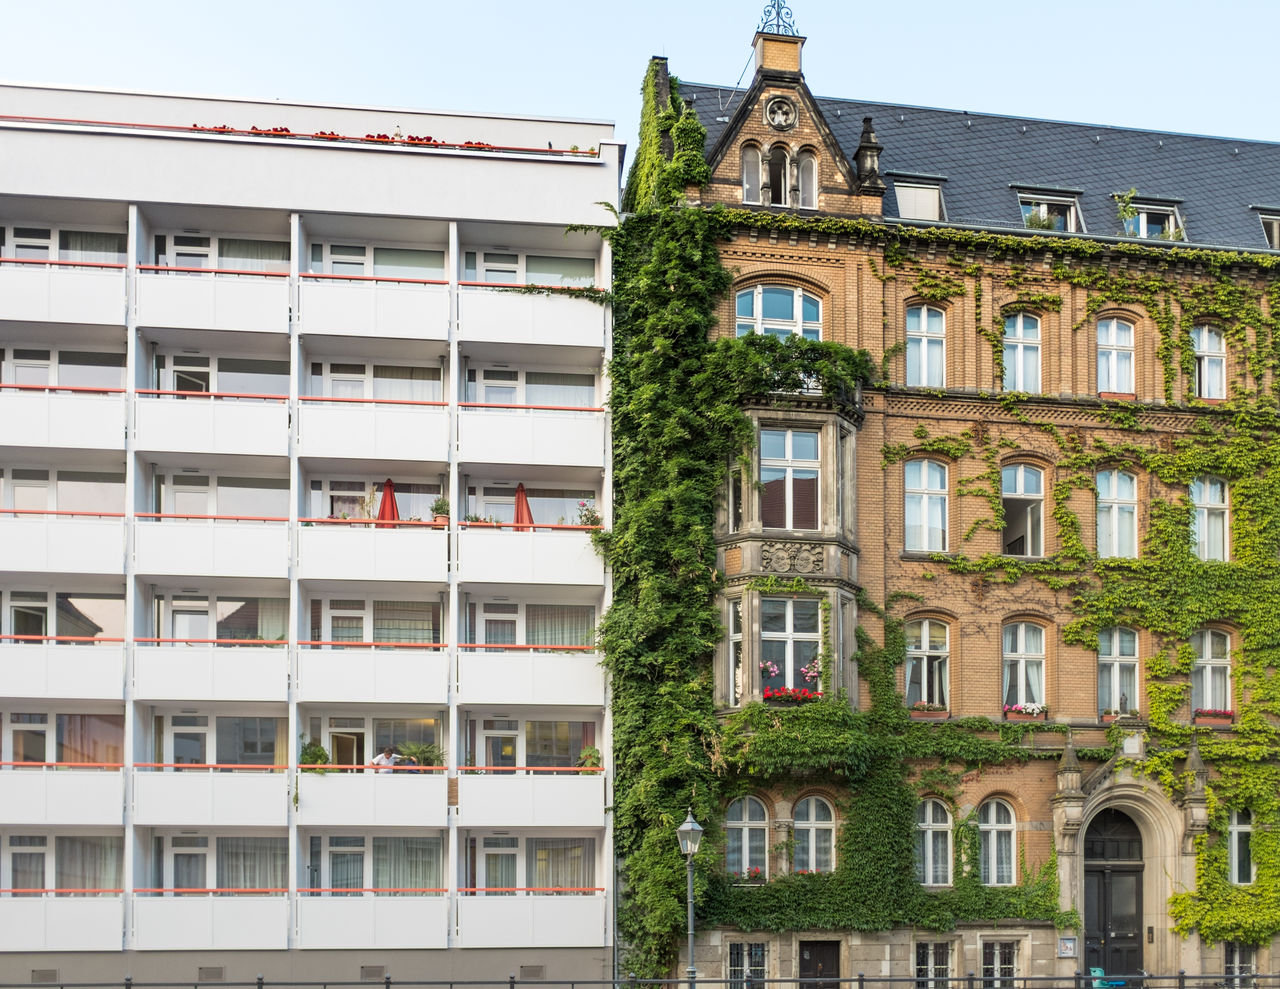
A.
x: 253, y: 863
x: 407, y: 863
x: 560, y: 624
x: 253, y: 255
x: 560, y: 863
x: 90, y: 738
x: 89, y: 862
x: 84, y: 245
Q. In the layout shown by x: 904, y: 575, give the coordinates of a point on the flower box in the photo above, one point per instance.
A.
x: 1026, y: 715
x: 919, y: 714
x: 1214, y: 719
x: 791, y: 695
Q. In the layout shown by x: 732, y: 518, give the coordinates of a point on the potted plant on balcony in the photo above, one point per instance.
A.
x: 477, y: 519
x: 421, y: 755
x: 312, y: 754
x: 1026, y: 712
x: 440, y: 510
x: 589, y: 515
x: 589, y: 758
x: 924, y: 711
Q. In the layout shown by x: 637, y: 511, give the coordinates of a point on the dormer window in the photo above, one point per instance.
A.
x: 1154, y: 222
x: 1050, y: 214
x: 1271, y: 227
x: 919, y: 201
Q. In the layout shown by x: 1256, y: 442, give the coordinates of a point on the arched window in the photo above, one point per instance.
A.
x: 1022, y: 353
x: 751, y: 174
x: 814, y: 836
x: 1209, y: 521
x: 1117, y: 670
x: 933, y: 843
x: 1115, y: 357
x: 925, y: 482
x: 779, y: 176
x: 746, y: 838
x: 1240, y: 832
x: 1211, y: 674
x: 808, y: 180
x: 926, y: 347
x: 926, y: 679
x: 1117, y: 514
x: 1211, y: 362
x: 780, y: 311
x: 1022, y: 497
x: 1023, y: 665
x: 996, y: 831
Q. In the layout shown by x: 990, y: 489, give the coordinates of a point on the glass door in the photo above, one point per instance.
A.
x: 29, y: 616
x: 28, y: 739
x: 188, y: 740
x: 188, y: 865
x: 189, y: 620
x: 499, y: 746
x: 190, y: 495
x: 27, y: 864
x: 30, y: 489
x: 499, y: 866
x: 346, y: 865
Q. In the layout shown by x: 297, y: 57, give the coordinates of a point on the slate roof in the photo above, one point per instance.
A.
x: 1213, y: 180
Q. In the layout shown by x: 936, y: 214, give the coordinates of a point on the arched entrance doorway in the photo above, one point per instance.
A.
x: 1113, y: 894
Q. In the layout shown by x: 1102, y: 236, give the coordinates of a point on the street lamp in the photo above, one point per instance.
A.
x: 690, y: 835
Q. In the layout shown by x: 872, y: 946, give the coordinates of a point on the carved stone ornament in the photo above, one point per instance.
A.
x: 788, y: 557
x: 780, y: 113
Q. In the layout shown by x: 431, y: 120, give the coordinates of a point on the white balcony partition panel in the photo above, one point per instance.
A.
x: 497, y: 316
x: 380, y: 676
x: 53, y: 670
x: 68, y: 420
x: 62, y: 294
x: 61, y: 923
x: 218, y: 673
x: 212, y: 425
x: 531, y: 436
x: 358, y: 552
x: 213, y: 302
x: 371, y: 921
x: 399, y: 310
x: 61, y: 544
x: 523, y: 677
x: 536, y: 800
x: 208, y: 798
x: 62, y: 796
x: 354, y: 430
x: 498, y: 555
x: 403, y: 799
x: 211, y: 923
x: 519, y: 921
x: 216, y: 549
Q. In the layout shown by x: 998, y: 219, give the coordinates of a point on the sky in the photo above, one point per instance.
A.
x: 1172, y: 65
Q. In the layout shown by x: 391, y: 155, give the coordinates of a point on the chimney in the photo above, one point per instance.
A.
x: 777, y: 52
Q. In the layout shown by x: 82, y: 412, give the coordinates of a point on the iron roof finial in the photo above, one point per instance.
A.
x: 777, y: 19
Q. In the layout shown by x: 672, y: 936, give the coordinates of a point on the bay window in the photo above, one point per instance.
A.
x: 789, y: 642
x: 789, y: 469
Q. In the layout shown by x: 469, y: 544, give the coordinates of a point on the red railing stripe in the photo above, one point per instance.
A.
x: 220, y: 518
x: 60, y: 638
x: 61, y: 892
x: 379, y: 523
x: 530, y: 889
x: 67, y: 765
x: 376, y: 645
x: 370, y: 401
x: 220, y: 892
x: 247, y: 766
x: 584, y: 289
x: 531, y: 769
x: 547, y: 408
x: 115, y: 265
x: 213, y: 271
x: 61, y: 512
x: 373, y: 278
x: 225, y: 642
x: 70, y: 388
x: 500, y: 647
x: 303, y: 891
x: 210, y: 394
x: 368, y: 767
x: 530, y: 525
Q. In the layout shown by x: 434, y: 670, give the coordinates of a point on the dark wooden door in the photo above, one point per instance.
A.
x: 820, y: 961
x: 1113, y: 895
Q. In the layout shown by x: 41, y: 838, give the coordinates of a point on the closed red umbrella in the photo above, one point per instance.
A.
x: 524, y: 517
x: 387, y: 510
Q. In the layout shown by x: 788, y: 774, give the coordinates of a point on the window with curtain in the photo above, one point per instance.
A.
x: 346, y: 864
x: 789, y: 479
x: 933, y: 843
x: 746, y: 832
x: 1115, y: 357
x: 559, y: 624
x: 91, y: 738
x: 1209, y: 518
x: 996, y: 829
x: 412, y: 866
x: 751, y: 174
x: 1240, y: 831
x: 559, y: 388
x: 926, y: 347
x: 927, y: 652
x: 557, y: 743
x: 1117, y: 670
x: 813, y: 836
x: 925, y: 492
x: 406, y: 621
x: 394, y: 382
x: 253, y: 618
x: 789, y: 640
x: 571, y: 272
x: 92, y: 863
x: 405, y: 262
x: 397, y: 731
x: 1022, y: 353
x: 1023, y: 664
x: 95, y: 247
x: 236, y: 254
x: 1117, y: 513
x: 1211, y: 673
x: 560, y: 866
x: 253, y: 863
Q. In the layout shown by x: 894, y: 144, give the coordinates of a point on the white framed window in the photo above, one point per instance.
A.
x: 1115, y: 357
x: 746, y: 847
x: 41, y: 243
x: 193, y: 864
x: 1117, y: 670
x: 82, y: 865
x: 808, y: 179
x: 553, y: 866
x: 746, y: 964
x: 813, y: 836
x: 1117, y: 514
x: 1209, y: 530
x: 778, y: 166
x: 1154, y: 223
x: 520, y: 268
x: 382, y: 865
x: 933, y: 843
x: 1240, y: 836
x: 1271, y: 229
x: 1022, y: 497
x: 921, y: 201
x: 496, y: 501
x: 789, y: 640
x: 933, y: 964
x: 751, y: 174
x: 360, y: 498
x: 738, y: 680
x: 997, y: 831
x: 183, y: 493
x: 1023, y: 664
x: 1050, y: 214
x: 1022, y: 353
x: 40, y: 489
x: 508, y: 386
x: 926, y: 347
x: 1210, y: 346
x: 1211, y: 674
x: 1239, y: 964
x: 362, y: 620
x: 378, y: 382
x: 926, y: 669
x: 207, y: 373
x: 403, y: 261
x: 225, y: 616
x: 779, y: 311
x: 229, y: 740
x: 490, y: 623
x: 84, y: 616
x: 227, y: 252
x: 36, y: 735
x: 789, y: 468
x: 925, y: 484
x: 999, y: 964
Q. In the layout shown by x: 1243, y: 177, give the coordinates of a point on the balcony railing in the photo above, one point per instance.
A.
x: 530, y: 674
x: 68, y: 416
x: 210, y: 794
x: 531, y: 796
x: 512, y: 314
x: 179, y: 544
x: 379, y: 428
x: 211, y: 919
x: 213, y: 298
x: 396, y: 670
x: 369, y: 549
x: 375, y: 306
x: 338, y: 795
x: 225, y: 422
x: 62, y: 666
x: 45, y: 289
x: 554, y: 435
x: 62, y: 793
x: 553, y: 917
x: 510, y: 552
x: 215, y: 669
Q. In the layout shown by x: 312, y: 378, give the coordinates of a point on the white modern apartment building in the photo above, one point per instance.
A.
x: 219, y: 340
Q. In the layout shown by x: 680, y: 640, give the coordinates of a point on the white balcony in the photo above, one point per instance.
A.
x: 519, y: 921
x: 536, y: 800
x: 380, y: 676
x: 357, y: 552
x: 63, y: 544
x: 495, y: 316
x: 62, y: 294
x: 208, y: 798
x: 363, y: 799
x: 62, y: 670
x: 503, y: 555
x: 178, y: 671
x: 213, y: 425
x: 211, y: 923
x: 531, y: 436
x: 525, y: 677
x: 61, y: 923
x: 213, y: 548
x: 356, y: 430
x: 70, y: 420
x: 374, y: 308
x: 258, y: 303
x: 372, y: 921
x: 49, y: 796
